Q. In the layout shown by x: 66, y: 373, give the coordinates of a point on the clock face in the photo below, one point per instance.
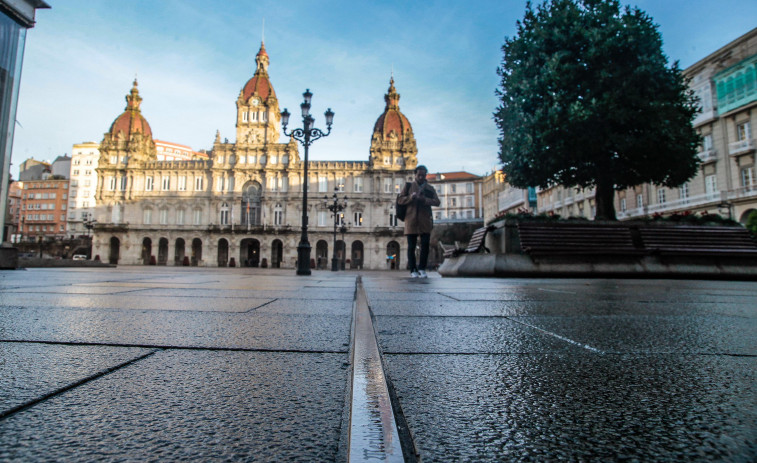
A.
x: 255, y: 102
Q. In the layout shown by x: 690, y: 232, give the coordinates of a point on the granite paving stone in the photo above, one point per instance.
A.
x: 578, y: 407
x: 191, y: 406
x: 178, y: 328
x: 29, y: 371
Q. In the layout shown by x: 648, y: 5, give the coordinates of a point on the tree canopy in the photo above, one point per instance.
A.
x: 588, y: 99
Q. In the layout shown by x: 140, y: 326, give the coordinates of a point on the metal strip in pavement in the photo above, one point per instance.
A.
x: 373, y: 431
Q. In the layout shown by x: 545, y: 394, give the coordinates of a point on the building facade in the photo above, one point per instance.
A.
x: 243, y: 205
x: 726, y: 84
x: 461, y: 196
x: 13, y: 214
x: 16, y: 16
x: 82, y: 188
x: 44, y: 205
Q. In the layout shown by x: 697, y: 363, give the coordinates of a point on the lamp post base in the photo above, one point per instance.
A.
x: 303, y: 258
x: 334, y: 264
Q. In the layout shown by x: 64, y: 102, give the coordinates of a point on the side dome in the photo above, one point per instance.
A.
x: 259, y: 84
x: 392, y: 124
x: 131, y: 120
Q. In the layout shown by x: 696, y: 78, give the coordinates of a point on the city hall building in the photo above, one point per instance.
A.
x: 243, y: 205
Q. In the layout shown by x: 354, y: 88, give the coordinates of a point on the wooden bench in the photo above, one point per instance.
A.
x: 475, y: 244
x: 562, y: 239
x: 699, y: 241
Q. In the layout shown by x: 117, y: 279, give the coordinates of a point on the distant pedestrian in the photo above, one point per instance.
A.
x: 418, y: 196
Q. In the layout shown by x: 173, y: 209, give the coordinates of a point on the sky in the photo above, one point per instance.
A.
x: 192, y: 58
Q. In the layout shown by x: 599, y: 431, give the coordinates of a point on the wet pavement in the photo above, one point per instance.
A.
x: 160, y: 364
x: 572, y: 370
x: 151, y: 363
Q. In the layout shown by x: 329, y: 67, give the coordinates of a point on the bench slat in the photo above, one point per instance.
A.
x: 578, y: 239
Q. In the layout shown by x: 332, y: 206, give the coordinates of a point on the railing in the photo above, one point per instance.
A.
x: 459, y: 220
x: 740, y: 147
x: 708, y: 156
x: 678, y: 204
x: 749, y: 191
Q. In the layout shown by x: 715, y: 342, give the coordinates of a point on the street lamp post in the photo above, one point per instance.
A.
x: 343, y: 230
x: 89, y: 224
x: 335, y: 207
x: 306, y: 136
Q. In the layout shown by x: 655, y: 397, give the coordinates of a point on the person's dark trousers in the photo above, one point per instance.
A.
x: 412, y: 242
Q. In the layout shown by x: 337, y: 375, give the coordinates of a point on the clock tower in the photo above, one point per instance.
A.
x: 257, y: 107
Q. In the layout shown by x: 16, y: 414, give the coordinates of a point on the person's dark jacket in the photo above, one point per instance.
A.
x: 418, y: 218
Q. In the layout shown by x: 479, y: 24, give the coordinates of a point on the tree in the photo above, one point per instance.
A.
x: 588, y: 100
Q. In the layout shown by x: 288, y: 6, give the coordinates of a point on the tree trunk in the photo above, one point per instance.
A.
x: 604, y: 198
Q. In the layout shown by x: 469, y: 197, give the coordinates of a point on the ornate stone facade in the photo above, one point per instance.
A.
x: 243, y: 206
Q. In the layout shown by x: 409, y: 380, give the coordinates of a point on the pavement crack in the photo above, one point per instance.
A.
x: 19, y: 408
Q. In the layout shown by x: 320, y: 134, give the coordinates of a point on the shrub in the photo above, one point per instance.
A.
x: 751, y: 223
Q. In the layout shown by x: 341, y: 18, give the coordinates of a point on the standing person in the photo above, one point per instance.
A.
x: 418, y: 196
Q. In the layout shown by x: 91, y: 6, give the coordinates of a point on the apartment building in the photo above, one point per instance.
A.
x: 726, y: 84
x: 461, y: 196
x: 43, y: 208
x: 82, y: 188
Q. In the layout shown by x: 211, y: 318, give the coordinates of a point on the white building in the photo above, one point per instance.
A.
x: 82, y: 187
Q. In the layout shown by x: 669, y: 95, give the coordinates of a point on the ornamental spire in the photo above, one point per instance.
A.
x: 392, y: 98
x: 262, y: 60
x: 133, y: 99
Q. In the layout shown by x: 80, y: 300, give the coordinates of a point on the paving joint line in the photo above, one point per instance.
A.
x: 260, y: 306
x: 169, y: 347
x: 19, y: 408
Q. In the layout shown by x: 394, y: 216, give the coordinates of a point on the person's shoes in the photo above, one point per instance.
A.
x: 413, y: 274
x: 422, y: 274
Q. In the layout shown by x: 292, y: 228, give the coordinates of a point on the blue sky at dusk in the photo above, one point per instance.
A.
x: 192, y: 58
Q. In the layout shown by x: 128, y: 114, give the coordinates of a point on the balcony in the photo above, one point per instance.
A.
x: 628, y: 213
x: 676, y: 205
x: 707, y: 156
x: 744, y: 192
x: 741, y: 147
